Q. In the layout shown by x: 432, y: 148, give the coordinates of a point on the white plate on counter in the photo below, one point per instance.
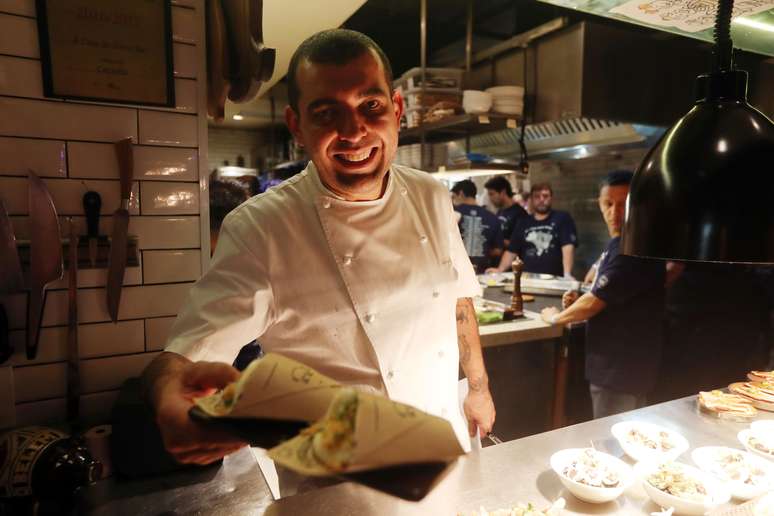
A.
x: 648, y: 442
x: 586, y: 492
x: 747, y: 476
x: 716, y: 492
x: 744, y: 437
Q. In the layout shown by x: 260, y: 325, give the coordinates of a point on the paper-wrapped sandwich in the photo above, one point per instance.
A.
x: 351, y: 431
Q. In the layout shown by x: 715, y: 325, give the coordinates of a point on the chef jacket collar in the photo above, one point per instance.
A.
x: 324, y: 192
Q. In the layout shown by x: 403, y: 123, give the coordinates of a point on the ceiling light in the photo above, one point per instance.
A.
x: 705, y: 192
x: 238, y: 117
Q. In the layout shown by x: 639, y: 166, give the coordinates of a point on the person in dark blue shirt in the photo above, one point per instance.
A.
x: 545, y: 241
x: 624, y: 311
x: 500, y: 194
x: 480, y: 229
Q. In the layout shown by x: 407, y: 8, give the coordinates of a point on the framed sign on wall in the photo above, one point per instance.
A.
x: 107, y: 50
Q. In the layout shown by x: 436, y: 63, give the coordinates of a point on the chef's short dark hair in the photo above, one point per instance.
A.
x: 224, y: 197
x: 466, y: 187
x: 334, y: 46
x: 499, y: 184
x: 617, y: 178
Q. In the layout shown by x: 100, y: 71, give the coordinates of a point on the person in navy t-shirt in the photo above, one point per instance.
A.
x: 624, y: 311
x: 500, y: 194
x: 480, y: 229
x: 545, y: 241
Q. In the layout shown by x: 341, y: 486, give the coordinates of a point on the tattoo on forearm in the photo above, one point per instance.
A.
x: 462, y: 314
x: 462, y: 342
x: 477, y: 384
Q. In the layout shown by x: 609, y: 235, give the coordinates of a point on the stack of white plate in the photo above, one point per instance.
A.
x: 508, y: 100
x: 476, y: 102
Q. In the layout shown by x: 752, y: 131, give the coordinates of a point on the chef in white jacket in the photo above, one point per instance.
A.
x: 355, y: 266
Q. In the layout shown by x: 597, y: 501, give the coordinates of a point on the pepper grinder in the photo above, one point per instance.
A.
x: 516, y: 310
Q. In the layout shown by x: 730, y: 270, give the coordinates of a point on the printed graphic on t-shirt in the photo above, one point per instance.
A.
x: 541, y: 237
x: 473, y: 228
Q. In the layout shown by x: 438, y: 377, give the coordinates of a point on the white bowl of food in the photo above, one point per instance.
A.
x: 648, y: 442
x: 591, y: 475
x: 687, y: 489
x: 759, y: 445
x: 763, y: 428
x: 747, y: 476
x: 476, y: 102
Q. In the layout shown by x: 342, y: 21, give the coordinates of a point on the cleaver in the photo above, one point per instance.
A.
x: 45, y: 257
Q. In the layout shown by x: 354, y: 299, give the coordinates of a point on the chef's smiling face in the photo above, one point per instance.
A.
x: 348, y: 120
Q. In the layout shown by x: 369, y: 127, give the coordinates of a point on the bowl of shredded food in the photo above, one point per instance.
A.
x: 591, y: 475
x: 689, y: 490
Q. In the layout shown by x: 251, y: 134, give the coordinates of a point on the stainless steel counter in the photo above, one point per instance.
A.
x: 496, y: 477
x: 530, y: 328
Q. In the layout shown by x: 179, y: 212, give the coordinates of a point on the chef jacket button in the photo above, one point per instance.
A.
x: 326, y: 203
x: 423, y: 239
x: 348, y: 260
x: 440, y: 354
x: 403, y: 191
x: 370, y: 317
x: 436, y: 293
x: 390, y: 374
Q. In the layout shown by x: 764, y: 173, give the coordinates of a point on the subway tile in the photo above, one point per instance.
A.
x: 20, y: 77
x: 185, y: 96
x: 137, y: 302
x: 7, y: 400
x: 41, y: 412
x: 161, y: 128
x: 40, y: 382
x: 47, y: 158
x: 171, y: 266
x: 98, y: 160
x: 186, y: 60
x: 184, y: 25
x: 20, y: 7
x: 94, y: 340
x: 169, y: 198
x: 20, y: 36
x: 66, y: 120
x: 185, y: 3
x: 52, y: 346
x: 67, y: 195
x: 152, y: 232
x: 95, y: 409
x: 103, y: 374
x: 97, y: 277
x: 157, y: 332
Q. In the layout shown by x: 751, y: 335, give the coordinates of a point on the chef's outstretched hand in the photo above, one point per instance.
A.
x: 479, y: 409
x: 174, y: 383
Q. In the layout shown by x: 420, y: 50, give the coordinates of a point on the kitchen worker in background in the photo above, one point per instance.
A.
x: 624, y: 311
x: 545, y: 241
x: 480, y: 229
x: 500, y: 194
x: 354, y: 266
x: 224, y: 197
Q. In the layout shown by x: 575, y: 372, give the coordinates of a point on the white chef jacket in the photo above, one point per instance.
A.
x: 364, y: 292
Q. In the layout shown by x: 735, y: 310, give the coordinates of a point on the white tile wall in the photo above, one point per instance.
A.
x: 67, y: 195
x: 22, y: 7
x: 47, y: 158
x: 20, y: 77
x: 166, y: 266
x: 69, y: 143
x: 160, y: 128
x: 166, y: 198
x: 20, y: 36
x: 98, y: 161
x: 157, y: 331
x: 66, y: 120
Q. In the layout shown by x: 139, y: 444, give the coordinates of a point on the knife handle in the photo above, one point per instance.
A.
x: 125, y: 168
x: 92, y: 204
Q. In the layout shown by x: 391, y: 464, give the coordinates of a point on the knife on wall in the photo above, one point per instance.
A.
x: 119, y: 239
x: 11, y: 279
x: 45, y: 257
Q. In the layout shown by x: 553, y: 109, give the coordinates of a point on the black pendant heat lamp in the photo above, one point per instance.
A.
x: 705, y: 192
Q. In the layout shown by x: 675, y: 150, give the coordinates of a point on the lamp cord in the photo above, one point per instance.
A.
x: 724, y: 47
